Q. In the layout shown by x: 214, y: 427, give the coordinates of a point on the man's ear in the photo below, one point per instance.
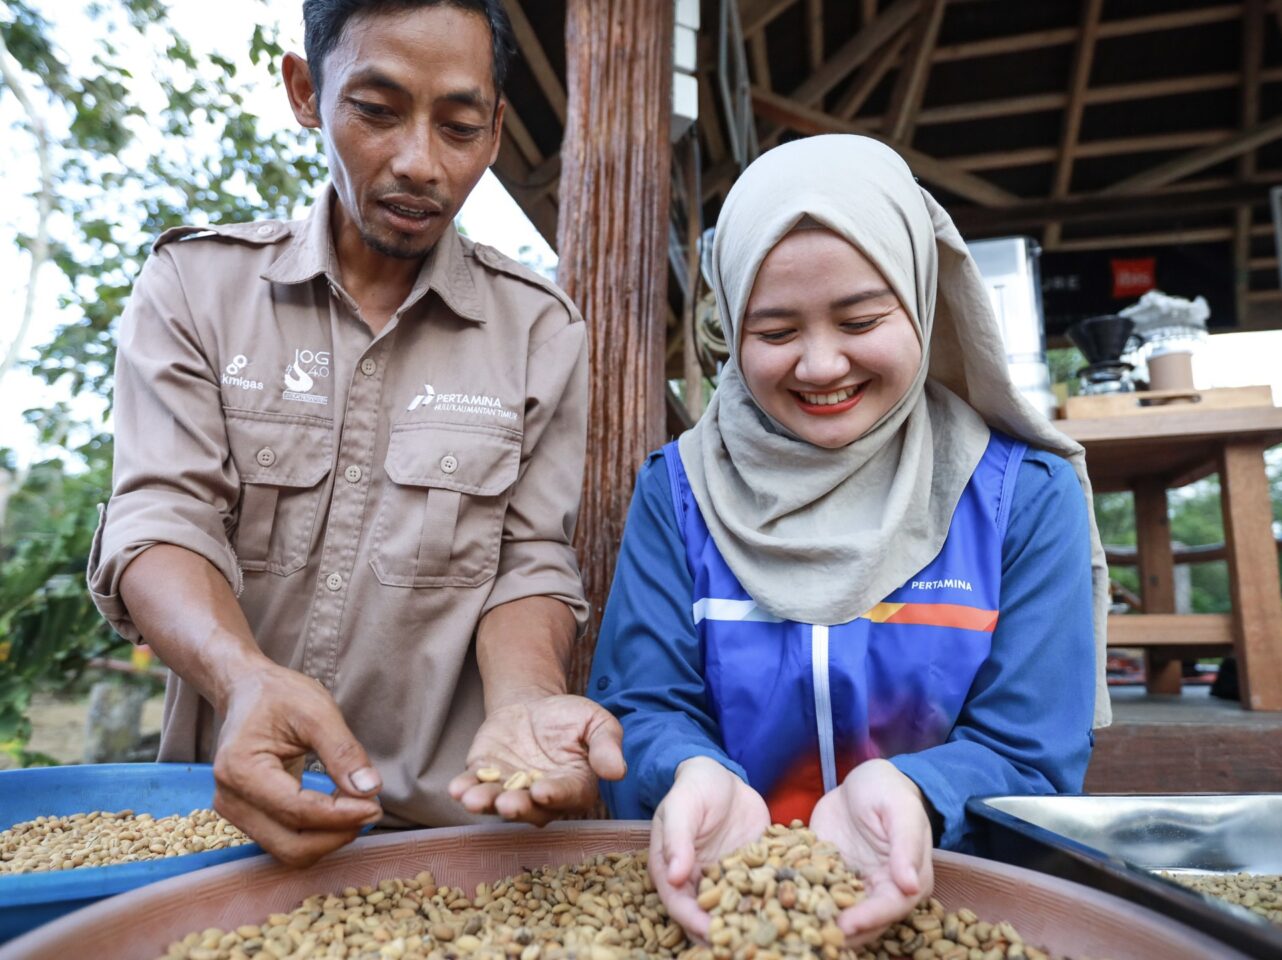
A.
x: 303, y: 95
x: 498, y: 130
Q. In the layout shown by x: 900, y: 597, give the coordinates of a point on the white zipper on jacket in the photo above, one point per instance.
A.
x: 823, y: 705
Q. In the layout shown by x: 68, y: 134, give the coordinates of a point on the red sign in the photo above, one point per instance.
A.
x: 1133, y: 278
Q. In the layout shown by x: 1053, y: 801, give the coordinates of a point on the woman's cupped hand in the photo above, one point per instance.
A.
x: 708, y: 813
x: 877, y: 819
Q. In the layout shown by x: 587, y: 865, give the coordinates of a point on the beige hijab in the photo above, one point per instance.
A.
x: 819, y: 535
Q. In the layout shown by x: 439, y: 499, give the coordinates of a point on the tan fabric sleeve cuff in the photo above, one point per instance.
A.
x: 107, y: 565
x: 533, y: 569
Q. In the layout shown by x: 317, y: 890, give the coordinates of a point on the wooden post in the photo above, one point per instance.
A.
x: 1157, y: 577
x: 612, y: 239
x: 1253, y: 574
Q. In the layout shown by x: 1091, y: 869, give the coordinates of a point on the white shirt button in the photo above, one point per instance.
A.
x: 266, y: 457
x: 334, y: 581
x: 368, y: 366
x: 353, y: 474
x: 265, y: 230
x: 448, y: 463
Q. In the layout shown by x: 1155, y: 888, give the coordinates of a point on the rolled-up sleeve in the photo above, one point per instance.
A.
x: 537, y: 553
x: 173, y: 479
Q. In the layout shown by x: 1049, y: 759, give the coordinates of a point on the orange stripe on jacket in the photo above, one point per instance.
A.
x: 935, y: 615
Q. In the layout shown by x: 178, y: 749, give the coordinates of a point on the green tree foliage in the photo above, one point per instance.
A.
x: 174, y: 144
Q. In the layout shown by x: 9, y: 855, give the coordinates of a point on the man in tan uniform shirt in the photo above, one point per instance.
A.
x: 348, y: 458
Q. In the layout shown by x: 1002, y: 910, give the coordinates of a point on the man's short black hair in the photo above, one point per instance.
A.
x: 325, y: 20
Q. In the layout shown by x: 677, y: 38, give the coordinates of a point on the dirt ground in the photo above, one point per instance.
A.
x: 58, y: 725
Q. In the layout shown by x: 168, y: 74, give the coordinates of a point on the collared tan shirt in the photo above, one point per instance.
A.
x: 369, y: 498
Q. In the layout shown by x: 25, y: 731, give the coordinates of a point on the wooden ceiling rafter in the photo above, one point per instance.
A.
x: 870, y: 75
x: 515, y: 173
x: 1079, y: 81
x: 797, y: 116
x: 785, y: 39
x: 1211, y: 196
x: 1172, y: 238
x: 759, y: 60
x: 1183, y: 165
x: 815, y: 32
x: 756, y: 15
x: 852, y: 54
x: 1108, y: 29
x: 1092, y: 149
x: 910, y: 86
x: 1112, y: 93
x: 1252, y: 62
x: 536, y: 59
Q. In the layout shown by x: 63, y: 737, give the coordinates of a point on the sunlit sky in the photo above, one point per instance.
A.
x: 489, y: 216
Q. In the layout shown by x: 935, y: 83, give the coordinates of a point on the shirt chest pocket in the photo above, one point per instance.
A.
x: 281, y: 463
x: 440, y: 519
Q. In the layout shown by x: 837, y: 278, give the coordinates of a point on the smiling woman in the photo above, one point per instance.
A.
x: 840, y: 593
x: 827, y: 347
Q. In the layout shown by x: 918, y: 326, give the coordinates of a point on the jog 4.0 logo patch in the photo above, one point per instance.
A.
x: 301, y: 375
x: 477, y: 404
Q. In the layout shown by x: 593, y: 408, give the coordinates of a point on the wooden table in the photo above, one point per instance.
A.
x: 1151, y: 452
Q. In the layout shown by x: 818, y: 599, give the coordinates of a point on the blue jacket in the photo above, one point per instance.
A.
x: 961, y: 704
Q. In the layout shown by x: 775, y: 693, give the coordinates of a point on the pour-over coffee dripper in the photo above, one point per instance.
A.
x: 1102, y: 341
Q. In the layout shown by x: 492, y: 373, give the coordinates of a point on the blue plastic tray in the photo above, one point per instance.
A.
x: 161, y: 789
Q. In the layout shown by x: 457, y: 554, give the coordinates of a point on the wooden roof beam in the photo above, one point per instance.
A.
x: 1091, y: 208
x: 1079, y: 80
x: 1252, y: 61
x: 815, y: 32
x: 1031, y: 156
x: 515, y: 131
x: 905, y: 101
x: 855, y: 51
x: 1171, y: 239
x: 759, y: 57
x: 1114, y: 93
x: 514, y: 173
x: 1196, y: 160
x: 536, y: 59
x: 755, y: 15
x: 871, y: 74
x: 710, y: 121
x: 1060, y: 36
x: 797, y: 116
x: 1252, y: 68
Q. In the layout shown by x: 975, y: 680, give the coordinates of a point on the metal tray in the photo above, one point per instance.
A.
x: 1114, y: 843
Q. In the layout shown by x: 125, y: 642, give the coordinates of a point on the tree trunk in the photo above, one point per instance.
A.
x: 11, y: 76
x: 612, y: 244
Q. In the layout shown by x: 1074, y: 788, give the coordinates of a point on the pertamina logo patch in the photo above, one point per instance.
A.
x: 476, y: 404
x: 427, y: 396
x: 301, y: 375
